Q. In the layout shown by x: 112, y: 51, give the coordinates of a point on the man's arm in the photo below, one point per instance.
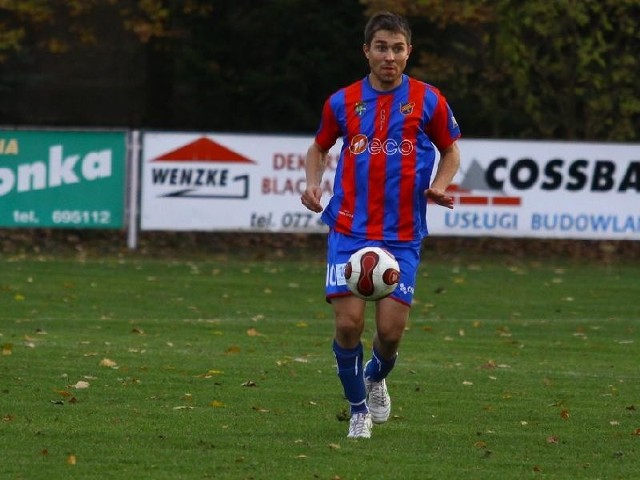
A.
x: 314, y: 168
x: 447, y: 169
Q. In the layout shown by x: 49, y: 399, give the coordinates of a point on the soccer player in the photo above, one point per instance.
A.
x: 391, y: 125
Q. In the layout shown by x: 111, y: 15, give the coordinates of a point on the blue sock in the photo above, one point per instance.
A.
x: 350, y: 373
x: 378, y: 368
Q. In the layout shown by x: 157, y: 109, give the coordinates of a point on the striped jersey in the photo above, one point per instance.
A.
x: 387, y: 157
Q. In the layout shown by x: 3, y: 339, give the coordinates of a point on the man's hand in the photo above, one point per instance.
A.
x: 311, y: 198
x: 440, y: 197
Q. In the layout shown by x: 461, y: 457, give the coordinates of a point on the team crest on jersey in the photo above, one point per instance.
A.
x: 361, y: 108
x: 407, y: 108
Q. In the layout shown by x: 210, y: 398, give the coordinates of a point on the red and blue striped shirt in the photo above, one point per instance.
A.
x: 387, y: 157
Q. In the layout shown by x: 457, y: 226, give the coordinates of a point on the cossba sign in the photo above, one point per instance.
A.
x: 543, y: 189
x: 560, y: 174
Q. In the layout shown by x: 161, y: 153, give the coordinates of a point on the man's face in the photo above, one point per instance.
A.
x: 387, y: 55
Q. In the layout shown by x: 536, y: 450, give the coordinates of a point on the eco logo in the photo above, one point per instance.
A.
x: 201, y: 169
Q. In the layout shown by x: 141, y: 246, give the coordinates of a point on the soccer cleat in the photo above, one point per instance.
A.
x: 378, y: 400
x: 360, y: 425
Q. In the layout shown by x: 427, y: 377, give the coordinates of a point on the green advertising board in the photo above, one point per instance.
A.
x: 62, y: 179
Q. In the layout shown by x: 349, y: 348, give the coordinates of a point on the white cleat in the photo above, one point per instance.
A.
x: 360, y: 425
x: 378, y: 400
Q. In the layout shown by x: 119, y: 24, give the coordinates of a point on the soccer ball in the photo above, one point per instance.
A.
x: 372, y: 273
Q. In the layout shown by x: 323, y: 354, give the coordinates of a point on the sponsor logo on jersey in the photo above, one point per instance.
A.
x: 390, y: 146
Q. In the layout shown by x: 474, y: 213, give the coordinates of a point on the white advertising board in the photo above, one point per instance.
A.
x: 210, y: 181
x: 544, y: 190
x: 202, y: 182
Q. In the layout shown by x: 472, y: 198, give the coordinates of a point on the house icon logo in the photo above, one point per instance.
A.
x: 201, y: 169
x: 475, y: 191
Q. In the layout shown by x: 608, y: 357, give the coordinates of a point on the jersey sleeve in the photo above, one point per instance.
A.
x: 443, y: 129
x: 329, y: 130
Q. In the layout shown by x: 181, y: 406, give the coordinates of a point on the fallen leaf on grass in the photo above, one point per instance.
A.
x: 63, y: 393
x: 7, y: 349
x: 107, y: 362
x: 81, y: 385
x: 249, y: 383
x: 71, y: 459
x: 216, y: 404
x: 232, y: 349
x: 334, y: 446
x: 552, y: 439
x: 252, y: 332
x: 564, y: 414
x: 490, y: 365
x: 636, y: 431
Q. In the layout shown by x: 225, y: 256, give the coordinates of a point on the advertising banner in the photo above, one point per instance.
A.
x: 544, y: 189
x: 195, y: 181
x: 227, y: 182
x: 62, y: 179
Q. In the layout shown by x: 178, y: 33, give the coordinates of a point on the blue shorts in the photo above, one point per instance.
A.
x: 340, y: 247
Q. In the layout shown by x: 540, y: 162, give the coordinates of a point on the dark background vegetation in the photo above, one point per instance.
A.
x: 561, y: 69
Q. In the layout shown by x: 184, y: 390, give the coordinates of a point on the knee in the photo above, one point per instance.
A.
x: 390, y: 334
x: 349, y: 329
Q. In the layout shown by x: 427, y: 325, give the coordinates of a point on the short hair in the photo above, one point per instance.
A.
x: 387, y: 21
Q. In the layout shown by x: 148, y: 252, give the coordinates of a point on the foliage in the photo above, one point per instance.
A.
x: 555, y: 70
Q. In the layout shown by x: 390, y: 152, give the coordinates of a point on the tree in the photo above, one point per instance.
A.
x: 564, y: 69
x: 561, y: 69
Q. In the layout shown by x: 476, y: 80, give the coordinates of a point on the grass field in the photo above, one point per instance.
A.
x: 221, y: 368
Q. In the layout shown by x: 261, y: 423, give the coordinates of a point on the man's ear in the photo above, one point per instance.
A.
x: 365, y: 49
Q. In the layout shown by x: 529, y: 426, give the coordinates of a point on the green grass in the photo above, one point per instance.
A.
x: 222, y: 368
